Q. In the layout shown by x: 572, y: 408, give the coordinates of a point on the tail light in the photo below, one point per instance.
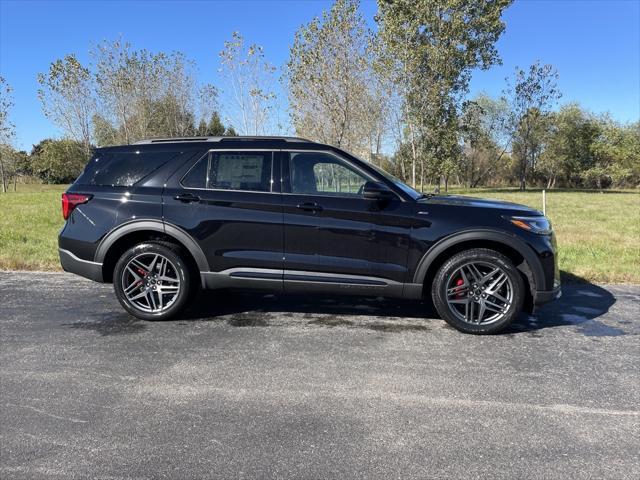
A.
x: 71, y: 201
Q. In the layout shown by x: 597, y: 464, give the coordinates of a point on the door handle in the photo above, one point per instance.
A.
x: 187, y: 198
x: 309, y: 207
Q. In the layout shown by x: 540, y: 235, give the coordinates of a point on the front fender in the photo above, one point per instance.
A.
x: 498, y: 236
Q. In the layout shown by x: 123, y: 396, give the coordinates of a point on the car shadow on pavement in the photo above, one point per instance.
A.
x: 215, y: 304
x: 108, y: 323
x: 582, y: 304
x: 240, y: 309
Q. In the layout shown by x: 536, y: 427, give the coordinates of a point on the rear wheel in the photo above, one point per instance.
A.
x: 478, y: 291
x: 152, y: 281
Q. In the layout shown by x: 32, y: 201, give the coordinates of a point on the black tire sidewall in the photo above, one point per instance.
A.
x: 183, y: 274
x: 439, y: 291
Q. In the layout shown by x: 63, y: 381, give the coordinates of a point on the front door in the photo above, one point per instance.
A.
x: 333, y: 237
x: 230, y: 204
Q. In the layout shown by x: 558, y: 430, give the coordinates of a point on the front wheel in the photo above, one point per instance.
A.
x: 151, y: 281
x: 478, y: 291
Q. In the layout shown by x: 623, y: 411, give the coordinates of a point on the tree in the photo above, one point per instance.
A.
x: 569, y: 148
x: 432, y: 46
x: 486, y: 138
x: 58, y: 161
x: 332, y: 93
x: 230, y: 132
x: 531, y: 95
x: 215, y: 126
x: 616, y: 155
x: 248, y: 78
x: 143, y: 94
x: 7, y: 129
x: 67, y: 96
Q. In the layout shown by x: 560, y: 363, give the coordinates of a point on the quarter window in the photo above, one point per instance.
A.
x: 318, y: 173
x: 232, y: 171
x: 123, y: 168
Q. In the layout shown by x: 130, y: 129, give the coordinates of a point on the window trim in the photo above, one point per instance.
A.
x: 279, y: 158
x: 331, y: 153
x: 214, y: 150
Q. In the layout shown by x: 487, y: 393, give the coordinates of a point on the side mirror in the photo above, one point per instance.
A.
x: 377, y: 191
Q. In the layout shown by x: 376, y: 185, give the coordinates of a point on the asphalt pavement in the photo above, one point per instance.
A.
x: 262, y: 386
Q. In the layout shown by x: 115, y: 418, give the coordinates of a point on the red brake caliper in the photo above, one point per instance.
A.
x: 142, y: 274
x: 459, y: 283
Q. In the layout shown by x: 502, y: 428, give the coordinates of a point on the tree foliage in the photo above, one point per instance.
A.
x: 329, y: 75
x: 58, y: 161
x: 432, y: 46
x: 397, y: 96
x: 532, y: 95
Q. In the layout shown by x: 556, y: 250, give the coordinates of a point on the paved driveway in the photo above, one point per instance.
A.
x: 297, y: 387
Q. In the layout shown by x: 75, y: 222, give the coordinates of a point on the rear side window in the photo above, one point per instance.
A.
x: 122, y: 169
x: 248, y: 171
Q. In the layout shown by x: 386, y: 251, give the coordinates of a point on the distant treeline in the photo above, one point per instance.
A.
x: 397, y: 96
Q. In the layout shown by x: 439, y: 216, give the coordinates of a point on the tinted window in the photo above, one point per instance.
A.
x: 323, y: 174
x: 197, y: 176
x: 232, y: 171
x: 122, y: 168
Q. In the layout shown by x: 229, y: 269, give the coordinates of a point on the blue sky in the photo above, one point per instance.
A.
x: 595, y: 45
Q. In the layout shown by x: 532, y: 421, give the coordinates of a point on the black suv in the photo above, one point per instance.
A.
x: 163, y: 217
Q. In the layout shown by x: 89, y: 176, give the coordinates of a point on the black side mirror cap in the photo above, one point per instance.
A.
x: 377, y: 191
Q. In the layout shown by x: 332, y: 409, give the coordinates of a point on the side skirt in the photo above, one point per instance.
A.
x: 301, y: 281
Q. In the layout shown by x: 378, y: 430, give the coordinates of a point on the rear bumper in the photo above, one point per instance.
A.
x: 72, y: 264
x: 546, y: 296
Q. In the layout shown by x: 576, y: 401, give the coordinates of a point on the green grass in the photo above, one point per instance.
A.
x: 598, y: 233
x: 30, y: 220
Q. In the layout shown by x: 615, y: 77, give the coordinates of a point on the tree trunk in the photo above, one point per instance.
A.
x: 4, y: 180
x: 523, y: 171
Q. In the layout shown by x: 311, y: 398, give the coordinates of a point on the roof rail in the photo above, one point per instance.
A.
x: 218, y: 139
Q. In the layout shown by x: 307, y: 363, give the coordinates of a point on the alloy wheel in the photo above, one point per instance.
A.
x: 150, y: 282
x: 479, y: 293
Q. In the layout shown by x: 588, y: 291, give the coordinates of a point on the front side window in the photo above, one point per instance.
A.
x: 248, y: 171
x: 317, y: 173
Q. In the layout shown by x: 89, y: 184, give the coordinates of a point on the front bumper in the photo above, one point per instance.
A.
x: 72, y: 264
x: 545, y: 296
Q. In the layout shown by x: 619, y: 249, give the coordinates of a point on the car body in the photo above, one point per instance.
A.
x: 288, y: 215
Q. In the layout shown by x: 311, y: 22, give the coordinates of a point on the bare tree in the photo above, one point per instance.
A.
x: 67, y: 96
x: 329, y: 80
x: 143, y: 94
x: 248, y: 81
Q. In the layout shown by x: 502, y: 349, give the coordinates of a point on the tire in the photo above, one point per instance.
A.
x: 147, y: 291
x: 470, y: 300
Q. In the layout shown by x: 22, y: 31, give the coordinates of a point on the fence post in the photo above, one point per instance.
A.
x: 544, y: 202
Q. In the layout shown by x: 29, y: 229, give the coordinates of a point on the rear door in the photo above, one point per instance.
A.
x: 229, y: 202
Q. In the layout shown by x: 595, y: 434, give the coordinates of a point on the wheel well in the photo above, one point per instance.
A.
x: 129, y: 240
x: 509, y: 252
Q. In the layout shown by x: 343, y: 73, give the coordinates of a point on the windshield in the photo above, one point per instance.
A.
x: 398, y: 183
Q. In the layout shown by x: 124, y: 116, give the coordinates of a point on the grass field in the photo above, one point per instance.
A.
x: 598, y: 233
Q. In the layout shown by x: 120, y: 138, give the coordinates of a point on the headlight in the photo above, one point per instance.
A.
x: 540, y: 225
